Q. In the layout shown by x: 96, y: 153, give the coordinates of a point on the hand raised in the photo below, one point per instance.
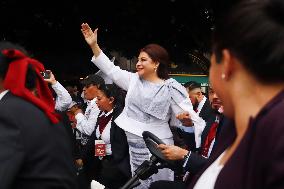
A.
x: 185, y: 119
x: 89, y: 35
x: 52, y: 79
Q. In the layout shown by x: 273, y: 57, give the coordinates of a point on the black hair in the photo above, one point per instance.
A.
x: 254, y: 33
x: 112, y: 90
x: 30, y: 78
x: 190, y: 85
x: 93, y: 79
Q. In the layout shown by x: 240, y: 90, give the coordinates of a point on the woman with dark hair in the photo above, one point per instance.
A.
x: 106, y: 156
x: 152, y: 100
x: 247, y: 72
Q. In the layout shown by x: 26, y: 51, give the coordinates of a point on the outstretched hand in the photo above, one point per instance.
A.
x: 89, y: 35
x: 185, y: 118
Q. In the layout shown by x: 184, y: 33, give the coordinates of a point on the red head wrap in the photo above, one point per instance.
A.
x: 16, y: 78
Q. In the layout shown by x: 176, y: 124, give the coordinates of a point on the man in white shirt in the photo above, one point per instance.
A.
x: 86, y: 122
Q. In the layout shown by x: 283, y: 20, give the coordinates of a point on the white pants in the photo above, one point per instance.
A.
x: 139, y: 153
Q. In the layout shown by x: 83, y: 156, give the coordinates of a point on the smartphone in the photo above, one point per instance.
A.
x: 45, y: 74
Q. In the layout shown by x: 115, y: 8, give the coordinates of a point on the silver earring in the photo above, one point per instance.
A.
x: 155, y: 69
x: 223, y: 76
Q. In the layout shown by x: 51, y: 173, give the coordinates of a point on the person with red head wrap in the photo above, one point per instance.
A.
x: 16, y: 77
x: 35, y: 148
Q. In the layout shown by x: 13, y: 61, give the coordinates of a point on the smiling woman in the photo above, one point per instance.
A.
x: 152, y: 100
x: 154, y: 61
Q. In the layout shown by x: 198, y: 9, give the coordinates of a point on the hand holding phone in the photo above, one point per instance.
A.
x: 45, y: 74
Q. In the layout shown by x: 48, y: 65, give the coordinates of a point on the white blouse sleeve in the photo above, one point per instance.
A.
x: 86, y: 124
x: 63, y: 98
x: 180, y: 103
x: 120, y: 77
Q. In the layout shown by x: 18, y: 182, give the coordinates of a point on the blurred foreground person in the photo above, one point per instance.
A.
x: 35, y: 148
x: 247, y: 73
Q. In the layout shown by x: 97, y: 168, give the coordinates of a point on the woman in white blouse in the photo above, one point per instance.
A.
x: 152, y: 100
x: 106, y: 155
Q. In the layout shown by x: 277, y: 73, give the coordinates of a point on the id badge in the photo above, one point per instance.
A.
x: 100, y: 148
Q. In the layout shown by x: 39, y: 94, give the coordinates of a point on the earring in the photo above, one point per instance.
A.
x: 155, y: 69
x: 223, y: 76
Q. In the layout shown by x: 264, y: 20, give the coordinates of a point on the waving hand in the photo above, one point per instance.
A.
x: 89, y: 35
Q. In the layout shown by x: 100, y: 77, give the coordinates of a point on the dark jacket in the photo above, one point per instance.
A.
x: 224, y: 137
x: 119, y: 147
x: 258, y: 161
x: 206, y: 111
x: 188, y: 139
x: 34, y: 152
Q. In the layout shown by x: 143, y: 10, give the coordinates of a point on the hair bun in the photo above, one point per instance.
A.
x: 275, y: 8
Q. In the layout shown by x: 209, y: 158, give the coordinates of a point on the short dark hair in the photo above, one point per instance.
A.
x: 190, y: 85
x: 254, y: 32
x: 93, y: 79
x: 160, y: 54
x: 112, y: 90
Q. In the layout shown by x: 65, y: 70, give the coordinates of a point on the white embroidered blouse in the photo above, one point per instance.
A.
x: 149, y: 106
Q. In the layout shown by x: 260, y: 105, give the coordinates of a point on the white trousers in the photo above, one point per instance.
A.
x: 139, y: 153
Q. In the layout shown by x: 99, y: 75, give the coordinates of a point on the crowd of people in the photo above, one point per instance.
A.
x: 55, y: 136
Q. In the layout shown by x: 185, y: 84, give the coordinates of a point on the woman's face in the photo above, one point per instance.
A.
x: 103, y: 102
x: 145, y: 66
x: 217, y: 83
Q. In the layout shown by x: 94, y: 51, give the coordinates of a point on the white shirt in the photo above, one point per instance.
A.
x: 208, y: 178
x: 199, y: 108
x: 86, y: 122
x: 128, y: 81
x: 105, y: 136
x: 63, y: 98
x: 2, y: 94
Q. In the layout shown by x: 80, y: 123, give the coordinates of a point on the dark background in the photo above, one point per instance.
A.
x: 50, y: 30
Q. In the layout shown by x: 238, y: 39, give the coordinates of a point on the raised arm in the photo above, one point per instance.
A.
x: 91, y: 38
x: 118, y: 76
x: 63, y: 98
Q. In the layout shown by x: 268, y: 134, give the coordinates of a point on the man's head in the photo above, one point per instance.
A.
x: 194, y: 92
x: 91, y: 84
x: 214, y: 99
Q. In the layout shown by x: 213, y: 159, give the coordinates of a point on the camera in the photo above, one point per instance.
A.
x: 45, y: 74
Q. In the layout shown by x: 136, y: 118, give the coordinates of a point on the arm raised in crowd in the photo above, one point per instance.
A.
x: 118, y: 76
x: 63, y: 98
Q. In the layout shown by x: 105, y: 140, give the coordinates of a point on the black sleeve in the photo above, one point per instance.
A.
x: 195, y: 163
x: 12, y: 150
